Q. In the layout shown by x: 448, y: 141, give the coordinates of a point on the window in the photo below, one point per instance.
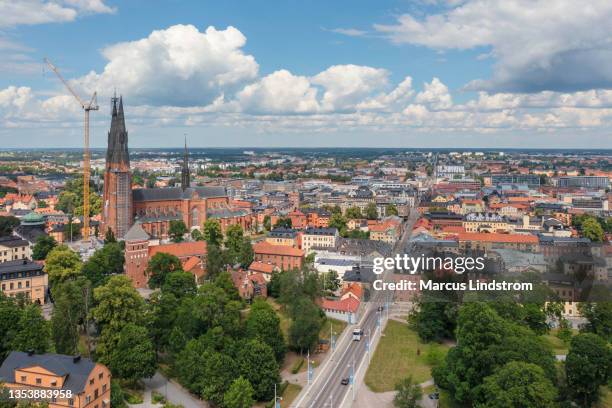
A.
x: 23, y: 378
x: 100, y: 376
x: 38, y: 381
x: 96, y: 393
x: 27, y: 284
x: 53, y: 383
x: 88, y: 399
x: 103, y: 388
x: 71, y: 402
x: 91, y: 381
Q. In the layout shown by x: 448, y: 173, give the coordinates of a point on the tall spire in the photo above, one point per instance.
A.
x: 185, y: 177
x: 117, y: 150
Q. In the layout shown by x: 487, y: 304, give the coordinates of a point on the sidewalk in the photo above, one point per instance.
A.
x: 173, y: 391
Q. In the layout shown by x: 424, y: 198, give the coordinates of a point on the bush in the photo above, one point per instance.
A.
x: 297, y: 366
x: 133, y: 397
x: 117, y: 395
x: 157, y: 398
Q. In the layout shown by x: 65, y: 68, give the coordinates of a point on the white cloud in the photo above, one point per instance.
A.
x: 538, y: 44
x: 179, y: 66
x: 351, y: 32
x: 346, y: 85
x: 279, y: 92
x: 30, y: 12
x: 435, y: 95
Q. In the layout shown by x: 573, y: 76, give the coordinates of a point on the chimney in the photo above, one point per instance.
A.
x: 76, y: 359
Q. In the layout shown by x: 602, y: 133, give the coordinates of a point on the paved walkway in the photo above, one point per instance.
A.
x: 173, y: 391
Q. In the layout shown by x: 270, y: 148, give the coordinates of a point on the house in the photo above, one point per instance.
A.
x: 24, y: 277
x: 283, y: 236
x: 348, y: 306
x: 250, y: 284
x: 282, y: 256
x: 13, y: 248
x: 266, y: 269
x: 389, y: 230
x: 83, y: 382
x: 319, y: 238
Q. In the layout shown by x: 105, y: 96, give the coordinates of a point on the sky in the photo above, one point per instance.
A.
x: 360, y: 73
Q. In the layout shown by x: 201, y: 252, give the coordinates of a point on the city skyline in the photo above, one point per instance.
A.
x: 391, y: 74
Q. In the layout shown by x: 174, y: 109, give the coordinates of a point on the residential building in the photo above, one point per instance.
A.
x: 282, y: 256
x: 319, y: 238
x: 283, y: 236
x: 88, y: 383
x: 13, y: 248
x: 24, y: 277
x: 389, y: 230
x: 249, y: 284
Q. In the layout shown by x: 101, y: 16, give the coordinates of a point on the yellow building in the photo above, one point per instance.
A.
x: 319, y: 238
x: 283, y: 236
x: 64, y: 381
x: 13, y: 248
x: 24, y: 277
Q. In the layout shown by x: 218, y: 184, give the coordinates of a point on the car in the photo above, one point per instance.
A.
x: 345, y: 381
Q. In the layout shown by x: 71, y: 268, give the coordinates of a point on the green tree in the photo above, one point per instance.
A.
x: 215, y: 261
x: 435, y: 319
x: 180, y: 284
x: 353, y: 213
x: 587, y: 367
x: 408, y: 394
x: 109, y: 236
x: 239, y: 394
x: 592, y: 230
x: 212, y: 232
x: 197, y: 235
x: 264, y: 324
x: 105, y: 262
x: 257, y: 364
x: 267, y: 223
x: 65, y: 320
x: 517, y: 385
x: 10, y: 314
x: 283, y: 222
x: 129, y: 353
x: 371, y: 212
x: 535, y: 318
x: 599, y: 316
x: 118, y: 303
x: 306, y: 324
x: 391, y: 209
x: 337, y: 221
x: 44, y: 245
x: 246, y: 254
x: 32, y: 331
x: 7, y: 225
x: 233, y: 241
x: 177, y: 230
x: 62, y: 264
x: 159, y: 266
x: 331, y: 281
x: 70, y: 200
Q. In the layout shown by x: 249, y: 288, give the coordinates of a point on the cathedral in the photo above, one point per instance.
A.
x: 154, y: 208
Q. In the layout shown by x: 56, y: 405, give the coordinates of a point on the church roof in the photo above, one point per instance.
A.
x: 117, y: 151
x: 136, y: 233
x: 176, y: 193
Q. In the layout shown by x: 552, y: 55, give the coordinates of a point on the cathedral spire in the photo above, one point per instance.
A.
x: 185, y: 177
x: 117, y: 150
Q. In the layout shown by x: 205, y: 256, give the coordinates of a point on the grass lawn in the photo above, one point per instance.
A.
x: 285, y: 321
x: 396, y: 358
x: 557, y: 345
x: 289, y: 395
x: 338, y: 327
x: 606, y: 398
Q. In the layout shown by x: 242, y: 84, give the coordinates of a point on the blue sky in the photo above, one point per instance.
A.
x: 289, y: 73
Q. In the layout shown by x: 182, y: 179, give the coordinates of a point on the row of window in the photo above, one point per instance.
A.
x: 17, y: 275
x: 19, y: 285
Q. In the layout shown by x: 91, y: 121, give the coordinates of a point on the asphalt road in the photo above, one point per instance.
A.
x: 328, y: 390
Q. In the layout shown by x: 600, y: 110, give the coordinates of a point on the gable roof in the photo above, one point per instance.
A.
x: 58, y: 364
x: 180, y: 249
x: 269, y: 249
x: 176, y: 193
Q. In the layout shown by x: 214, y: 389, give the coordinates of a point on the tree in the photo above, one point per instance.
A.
x: 118, y: 303
x: 267, y: 223
x: 212, y: 232
x: 177, y: 230
x: 10, y: 313
x: 109, y: 236
x: 159, y: 266
x: 215, y: 261
x: 517, y: 385
x: 599, y: 316
x: 197, y: 235
x: 62, y: 264
x: 257, y: 364
x: 408, y: 394
x: 233, y: 241
x: 180, y: 284
x: 129, y: 353
x: 70, y: 200
x: 592, y: 230
x: 65, y: 318
x: 337, y: 221
x: 587, y: 367
x: 44, y: 245
x: 306, y: 324
x: 371, y: 212
x: 246, y: 254
x: 32, y: 332
x: 264, y: 324
x: 391, y: 209
x: 283, y: 222
x: 239, y: 395
x: 434, y: 319
x: 331, y: 282
x: 353, y: 213
x: 106, y: 261
x: 7, y: 224
x: 535, y: 318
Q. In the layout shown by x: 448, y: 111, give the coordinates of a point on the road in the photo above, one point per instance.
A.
x: 327, y: 390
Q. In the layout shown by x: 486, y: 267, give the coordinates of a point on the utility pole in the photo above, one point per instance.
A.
x: 309, y: 370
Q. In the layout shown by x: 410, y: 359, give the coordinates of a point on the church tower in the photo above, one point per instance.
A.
x: 185, y: 176
x: 117, y: 205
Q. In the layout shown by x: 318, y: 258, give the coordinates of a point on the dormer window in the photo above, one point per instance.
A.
x: 54, y: 383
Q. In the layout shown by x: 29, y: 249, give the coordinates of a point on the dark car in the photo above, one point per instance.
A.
x: 345, y: 381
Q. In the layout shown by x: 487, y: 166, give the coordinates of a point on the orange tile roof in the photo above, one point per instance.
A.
x: 349, y: 304
x: 259, y: 266
x: 453, y: 229
x: 496, y: 237
x: 181, y: 249
x: 353, y: 288
x: 270, y: 249
x: 191, y: 263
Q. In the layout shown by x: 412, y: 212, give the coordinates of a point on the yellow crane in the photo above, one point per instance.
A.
x: 87, y: 107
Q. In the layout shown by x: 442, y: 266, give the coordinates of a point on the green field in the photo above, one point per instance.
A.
x: 397, y: 356
x: 338, y: 327
x: 556, y: 344
x: 289, y: 395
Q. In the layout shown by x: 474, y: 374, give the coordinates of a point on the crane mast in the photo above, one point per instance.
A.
x: 87, y: 107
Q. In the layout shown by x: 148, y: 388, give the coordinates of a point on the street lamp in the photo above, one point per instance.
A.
x: 277, y: 400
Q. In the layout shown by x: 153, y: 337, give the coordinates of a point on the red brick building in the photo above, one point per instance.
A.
x: 282, y: 256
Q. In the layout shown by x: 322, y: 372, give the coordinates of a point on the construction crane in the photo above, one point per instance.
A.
x: 87, y: 107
